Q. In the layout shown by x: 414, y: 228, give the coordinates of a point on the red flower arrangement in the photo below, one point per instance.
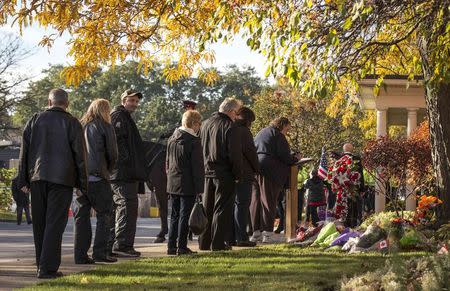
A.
x: 344, y: 178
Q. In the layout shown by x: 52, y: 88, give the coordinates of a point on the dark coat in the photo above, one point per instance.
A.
x: 184, y: 160
x: 360, y: 169
x: 274, y: 155
x: 222, y: 151
x: 22, y: 199
x: 53, y: 150
x: 313, y: 188
x: 250, y: 163
x: 130, y: 164
x: 101, y: 147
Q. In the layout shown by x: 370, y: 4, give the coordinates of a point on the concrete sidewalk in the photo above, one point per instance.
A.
x: 17, y: 261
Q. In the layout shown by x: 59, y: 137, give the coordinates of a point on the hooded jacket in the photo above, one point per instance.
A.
x: 184, y: 163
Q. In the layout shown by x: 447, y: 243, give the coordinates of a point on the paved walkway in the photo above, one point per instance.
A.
x: 17, y: 262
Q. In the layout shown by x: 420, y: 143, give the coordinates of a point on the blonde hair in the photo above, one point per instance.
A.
x: 190, y: 117
x: 99, y: 109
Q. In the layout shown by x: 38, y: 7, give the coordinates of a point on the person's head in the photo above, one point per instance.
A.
x: 130, y: 99
x: 246, y: 115
x: 230, y: 106
x: 192, y: 119
x: 189, y: 105
x: 282, y: 124
x: 99, y: 109
x: 314, y: 173
x: 58, y: 98
x: 348, y: 148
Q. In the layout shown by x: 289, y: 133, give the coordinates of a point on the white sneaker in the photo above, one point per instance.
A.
x: 256, y: 237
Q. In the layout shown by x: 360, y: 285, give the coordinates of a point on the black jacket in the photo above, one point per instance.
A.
x: 101, y: 147
x: 250, y: 163
x: 184, y: 160
x: 222, y: 151
x: 130, y: 164
x: 274, y: 154
x: 53, y: 150
x: 22, y: 199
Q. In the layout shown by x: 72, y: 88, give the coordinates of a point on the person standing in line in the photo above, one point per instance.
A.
x: 127, y: 175
x: 102, y: 157
x: 275, y: 158
x: 158, y: 178
x: 314, y: 191
x: 52, y: 163
x: 222, y: 154
x: 185, y: 179
x: 22, y: 200
x: 250, y: 167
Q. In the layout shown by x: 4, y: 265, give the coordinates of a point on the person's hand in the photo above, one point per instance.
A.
x: 25, y: 189
x: 298, y: 156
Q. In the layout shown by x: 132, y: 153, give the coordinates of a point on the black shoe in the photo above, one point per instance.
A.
x: 112, y: 254
x: 130, y: 253
x: 172, y: 252
x: 159, y: 240
x: 232, y: 243
x: 86, y: 261
x: 246, y: 244
x: 106, y: 259
x: 225, y: 248
x: 186, y: 251
x: 30, y: 222
x: 49, y: 275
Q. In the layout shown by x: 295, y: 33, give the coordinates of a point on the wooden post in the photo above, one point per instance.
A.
x: 292, y: 204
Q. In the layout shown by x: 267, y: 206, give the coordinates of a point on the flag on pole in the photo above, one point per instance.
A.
x: 323, y: 165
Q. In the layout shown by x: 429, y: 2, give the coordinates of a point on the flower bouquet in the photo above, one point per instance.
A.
x: 344, y: 179
x: 425, y: 209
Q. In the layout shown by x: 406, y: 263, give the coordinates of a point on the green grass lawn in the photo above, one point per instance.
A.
x: 9, y: 216
x: 279, y: 267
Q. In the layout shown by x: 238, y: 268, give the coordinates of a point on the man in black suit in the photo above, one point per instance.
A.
x: 52, y: 163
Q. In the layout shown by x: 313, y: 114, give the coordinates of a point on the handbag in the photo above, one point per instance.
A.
x: 198, y: 220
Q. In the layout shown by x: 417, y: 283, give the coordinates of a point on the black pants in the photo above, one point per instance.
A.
x: 50, y: 204
x: 218, y: 201
x: 179, y: 220
x: 19, y: 210
x: 162, y: 200
x: 311, y: 214
x: 126, y: 212
x: 99, y: 197
x: 242, y: 210
x: 352, y: 215
x: 281, y: 206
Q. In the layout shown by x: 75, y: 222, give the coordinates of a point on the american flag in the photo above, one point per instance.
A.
x: 323, y: 167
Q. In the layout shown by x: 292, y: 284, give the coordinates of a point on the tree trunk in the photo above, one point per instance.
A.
x: 437, y: 96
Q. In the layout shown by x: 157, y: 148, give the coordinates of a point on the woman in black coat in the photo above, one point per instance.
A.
x: 275, y: 159
x: 22, y: 200
x: 185, y: 179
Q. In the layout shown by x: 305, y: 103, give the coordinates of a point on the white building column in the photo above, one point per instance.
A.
x: 411, y: 125
x: 380, y: 186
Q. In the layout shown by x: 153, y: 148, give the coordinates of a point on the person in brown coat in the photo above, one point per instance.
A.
x: 275, y: 158
x: 250, y: 167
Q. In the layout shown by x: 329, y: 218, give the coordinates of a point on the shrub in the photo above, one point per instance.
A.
x: 6, y: 175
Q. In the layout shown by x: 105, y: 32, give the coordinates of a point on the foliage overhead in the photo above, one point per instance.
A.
x: 160, y: 109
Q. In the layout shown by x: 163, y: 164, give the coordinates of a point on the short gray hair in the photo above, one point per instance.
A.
x: 230, y: 104
x: 58, y: 97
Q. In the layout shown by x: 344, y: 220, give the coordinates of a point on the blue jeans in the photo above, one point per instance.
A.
x: 242, y: 209
x: 179, y: 220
